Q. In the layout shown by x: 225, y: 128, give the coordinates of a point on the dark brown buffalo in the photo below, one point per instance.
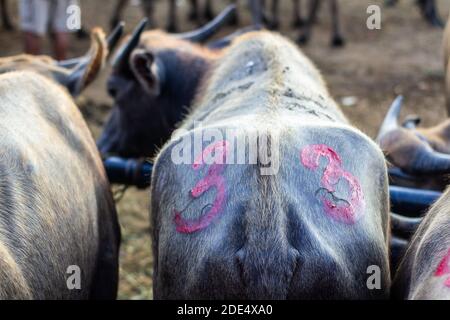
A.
x: 154, y: 79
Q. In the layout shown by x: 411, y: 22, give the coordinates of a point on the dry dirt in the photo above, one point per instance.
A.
x: 403, y: 57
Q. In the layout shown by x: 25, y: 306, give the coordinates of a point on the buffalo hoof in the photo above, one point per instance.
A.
x: 390, y: 3
x: 435, y: 21
x: 303, y: 39
x: 337, y: 42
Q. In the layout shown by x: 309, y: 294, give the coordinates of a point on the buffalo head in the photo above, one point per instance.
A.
x: 154, y: 80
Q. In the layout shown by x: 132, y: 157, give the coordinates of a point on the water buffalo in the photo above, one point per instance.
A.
x: 424, y: 273
x: 303, y: 214
x: 148, y: 105
x: 421, y: 152
x: 59, y: 234
x: 57, y: 211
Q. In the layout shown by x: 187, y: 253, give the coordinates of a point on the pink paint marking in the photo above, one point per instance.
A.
x: 351, y: 210
x: 213, y: 179
x: 444, y: 269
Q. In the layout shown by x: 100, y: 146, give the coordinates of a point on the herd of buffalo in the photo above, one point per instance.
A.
x: 220, y: 231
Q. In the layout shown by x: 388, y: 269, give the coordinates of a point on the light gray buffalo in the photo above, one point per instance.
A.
x: 304, y: 217
x: 424, y: 273
x: 59, y: 234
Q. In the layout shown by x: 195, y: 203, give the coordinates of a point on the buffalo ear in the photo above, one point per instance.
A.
x: 147, y: 71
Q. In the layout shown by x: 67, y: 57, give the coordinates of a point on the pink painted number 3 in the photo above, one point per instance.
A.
x: 346, y: 211
x: 213, y: 179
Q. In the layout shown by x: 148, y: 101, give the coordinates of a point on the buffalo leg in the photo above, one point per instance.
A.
x: 298, y: 21
x: 429, y: 11
x: 209, y: 12
x: 234, y: 20
x: 148, y: 6
x: 314, y: 6
x: 257, y: 10
x: 275, y: 22
x: 337, y: 39
x: 5, y: 15
x: 117, y: 13
x: 193, y: 11
x: 172, y: 16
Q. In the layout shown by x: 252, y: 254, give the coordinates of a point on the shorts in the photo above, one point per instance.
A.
x: 38, y: 16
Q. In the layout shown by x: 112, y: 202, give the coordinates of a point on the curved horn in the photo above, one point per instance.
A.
x: 404, y: 225
x: 114, y: 37
x: 121, y: 58
x: 87, y: 70
x: 391, y: 120
x: 428, y: 161
x: 111, y: 42
x: 210, y: 28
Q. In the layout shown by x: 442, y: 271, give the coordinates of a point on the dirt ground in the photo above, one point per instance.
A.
x: 403, y: 57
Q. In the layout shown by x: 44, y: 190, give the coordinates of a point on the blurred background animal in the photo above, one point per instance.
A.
x: 196, y: 13
x: 428, y: 9
x: 337, y: 39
